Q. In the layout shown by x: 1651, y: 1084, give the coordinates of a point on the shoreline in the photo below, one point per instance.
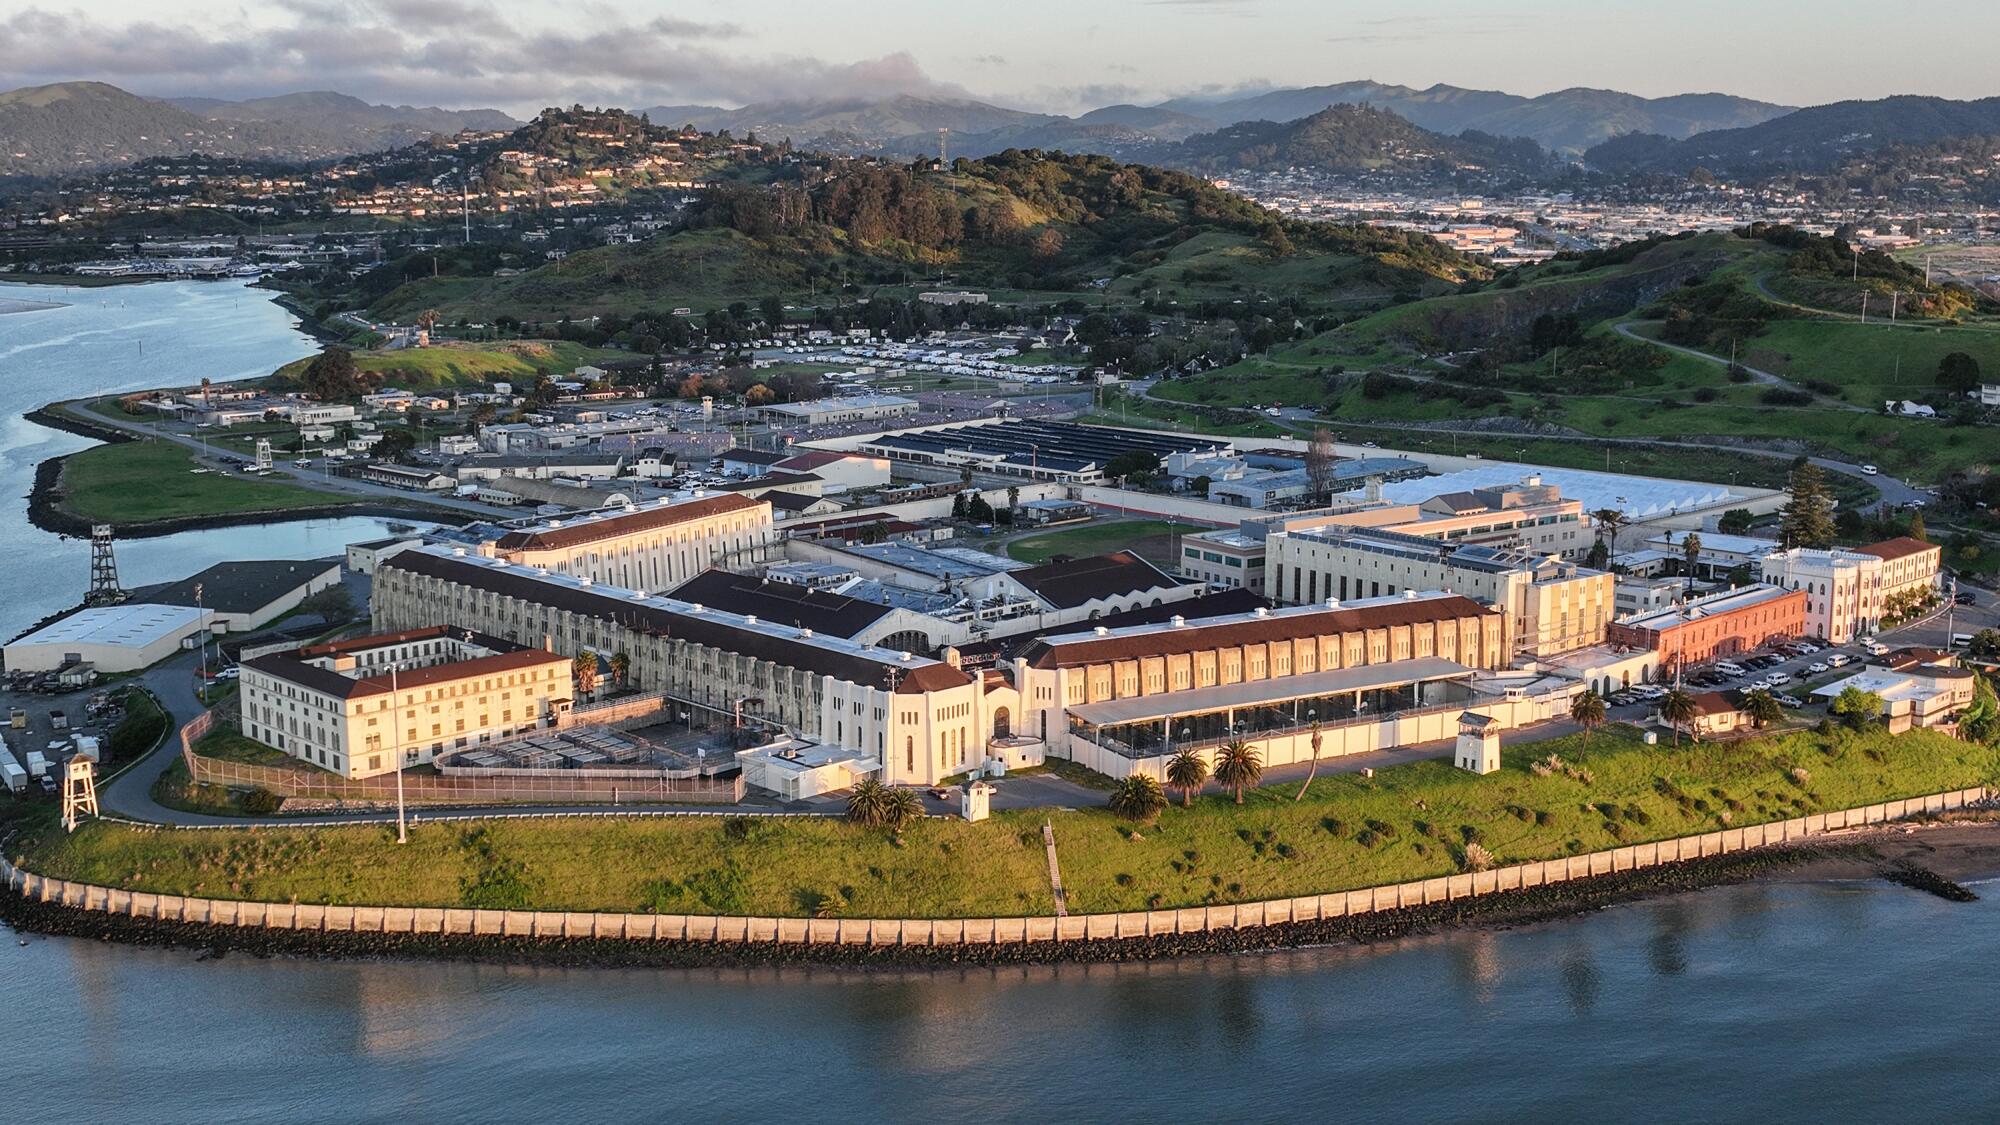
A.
x: 45, y: 512
x: 1926, y: 858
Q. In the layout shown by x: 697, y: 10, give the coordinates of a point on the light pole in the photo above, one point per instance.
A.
x: 396, y: 753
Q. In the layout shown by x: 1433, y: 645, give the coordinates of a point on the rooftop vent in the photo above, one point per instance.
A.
x: 1263, y: 611
x: 1333, y: 603
x: 638, y: 595
x: 695, y: 608
x: 1102, y: 631
x: 458, y: 552
x: 583, y: 580
x: 1179, y: 621
x: 749, y: 619
x: 904, y: 657
x: 805, y: 632
x: 1409, y: 595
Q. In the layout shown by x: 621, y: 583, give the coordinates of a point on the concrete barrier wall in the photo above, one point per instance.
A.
x: 967, y: 931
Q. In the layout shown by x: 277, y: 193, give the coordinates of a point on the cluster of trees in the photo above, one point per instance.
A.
x: 332, y: 376
x: 1807, y: 518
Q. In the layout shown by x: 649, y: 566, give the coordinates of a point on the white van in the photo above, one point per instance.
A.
x: 1869, y: 470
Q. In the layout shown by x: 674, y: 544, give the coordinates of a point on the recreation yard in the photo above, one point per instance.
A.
x: 1560, y: 797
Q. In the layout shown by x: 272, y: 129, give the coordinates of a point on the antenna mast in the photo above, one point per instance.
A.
x: 943, y: 135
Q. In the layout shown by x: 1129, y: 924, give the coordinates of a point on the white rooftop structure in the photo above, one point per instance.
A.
x: 116, y: 638
x: 1641, y: 498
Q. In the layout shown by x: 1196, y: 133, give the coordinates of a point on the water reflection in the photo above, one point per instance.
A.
x: 1750, y: 1027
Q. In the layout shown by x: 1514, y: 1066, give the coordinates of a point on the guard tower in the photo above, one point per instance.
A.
x: 104, y: 588
x: 1478, y: 743
x: 975, y: 801
x: 79, y: 792
x: 264, y: 455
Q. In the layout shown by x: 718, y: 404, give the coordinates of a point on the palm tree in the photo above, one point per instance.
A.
x: 868, y: 804
x: 1690, y: 556
x: 1611, y: 521
x: 1314, y: 768
x: 901, y: 807
x: 1238, y: 766
x: 1187, y: 771
x: 1137, y: 798
x: 621, y: 667
x: 1587, y: 711
x: 585, y: 667
x: 1762, y: 707
x: 1678, y: 709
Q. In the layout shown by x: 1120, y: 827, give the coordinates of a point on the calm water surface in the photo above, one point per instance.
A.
x: 1792, y: 1002
x: 125, y: 338
x: 1773, y: 1003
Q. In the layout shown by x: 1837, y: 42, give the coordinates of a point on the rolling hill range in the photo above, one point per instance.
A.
x: 1809, y: 140
x: 1016, y: 223
x: 80, y: 126
x: 1563, y: 121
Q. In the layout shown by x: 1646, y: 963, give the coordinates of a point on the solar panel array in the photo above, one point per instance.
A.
x: 1064, y: 446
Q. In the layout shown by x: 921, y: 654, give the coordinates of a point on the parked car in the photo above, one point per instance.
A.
x: 1816, y: 667
x: 1839, y: 659
x: 1965, y: 598
x: 1780, y: 677
x: 1761, y: 685
x: 1869, y: 470
x: 1792, y: 701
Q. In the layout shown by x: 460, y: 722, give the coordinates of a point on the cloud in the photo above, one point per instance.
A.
x: 451, y: 52
x: 1401, y: 29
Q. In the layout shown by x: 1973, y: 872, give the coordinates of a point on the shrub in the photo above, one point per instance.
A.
x: 1477, y: 858
x: 262, y: 802
x: 1801, y: 775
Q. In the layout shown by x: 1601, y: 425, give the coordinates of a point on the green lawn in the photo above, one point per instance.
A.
x: 137, y: 482
x: 1871, y: 362
x: 1407, y: 822
x: 1098, y: 539
x: 453, y: 364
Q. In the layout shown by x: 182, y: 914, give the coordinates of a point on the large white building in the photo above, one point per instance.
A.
x: 648, y: 548
x: 114, y: 638
x: 377, y: 704
x: 1550, y: 605
x: 1375, y: 673
x: 1843, y: 589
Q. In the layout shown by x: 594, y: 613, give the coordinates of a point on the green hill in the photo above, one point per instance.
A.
x: 1018, y: 222
x: 1350, y: 140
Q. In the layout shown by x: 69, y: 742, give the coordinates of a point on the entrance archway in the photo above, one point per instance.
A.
x: 1002, y: 723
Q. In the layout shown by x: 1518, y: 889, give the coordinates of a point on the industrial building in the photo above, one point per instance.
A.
x: 113, y: 638
x: 843, y: 408
x: 243, y: 596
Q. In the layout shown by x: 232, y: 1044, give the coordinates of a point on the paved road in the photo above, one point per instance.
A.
x: 1629, y: 330
x: 317, y: 479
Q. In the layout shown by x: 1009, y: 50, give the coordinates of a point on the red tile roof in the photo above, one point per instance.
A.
x: 1902, y: 546
x: 1072, y: 651
x: 631, y: 523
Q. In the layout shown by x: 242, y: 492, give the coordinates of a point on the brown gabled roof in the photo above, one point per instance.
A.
x: 1063, y: 652
x: 644, y: 519
x: 813, y: 459
x: 1714, y: 703
x: 1902, y: 546
x: 715, y: 630
x: 1067, y: 585
x: 930, y: 677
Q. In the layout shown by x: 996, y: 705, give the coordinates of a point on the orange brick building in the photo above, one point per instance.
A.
x: 1716, y: 626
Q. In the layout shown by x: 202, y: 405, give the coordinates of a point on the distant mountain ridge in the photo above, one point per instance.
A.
x: 72, y: 127
x: 1808, y: 140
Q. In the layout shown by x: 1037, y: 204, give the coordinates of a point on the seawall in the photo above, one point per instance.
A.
x: 1518, y: 892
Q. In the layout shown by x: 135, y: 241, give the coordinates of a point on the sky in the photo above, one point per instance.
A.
x: 1053, y: 55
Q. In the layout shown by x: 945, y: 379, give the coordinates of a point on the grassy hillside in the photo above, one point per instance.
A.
x: 449, y: 365
x: 1468, y: 356
x: 140, y: 482
x: 1407, y: 822
x: 1025, y: 222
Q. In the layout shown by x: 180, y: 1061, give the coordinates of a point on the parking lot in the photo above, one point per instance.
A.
x: 1791, y: 669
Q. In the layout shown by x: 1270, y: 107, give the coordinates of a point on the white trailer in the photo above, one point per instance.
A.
x: 87, y: 747
x: 38, y: 766
x: 12, y: 773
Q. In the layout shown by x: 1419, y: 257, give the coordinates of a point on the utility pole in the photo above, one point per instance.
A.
x: 396, y: 755
x: 1864, y: 308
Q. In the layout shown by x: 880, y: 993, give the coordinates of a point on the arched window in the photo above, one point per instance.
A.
x: 1002, y: 723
